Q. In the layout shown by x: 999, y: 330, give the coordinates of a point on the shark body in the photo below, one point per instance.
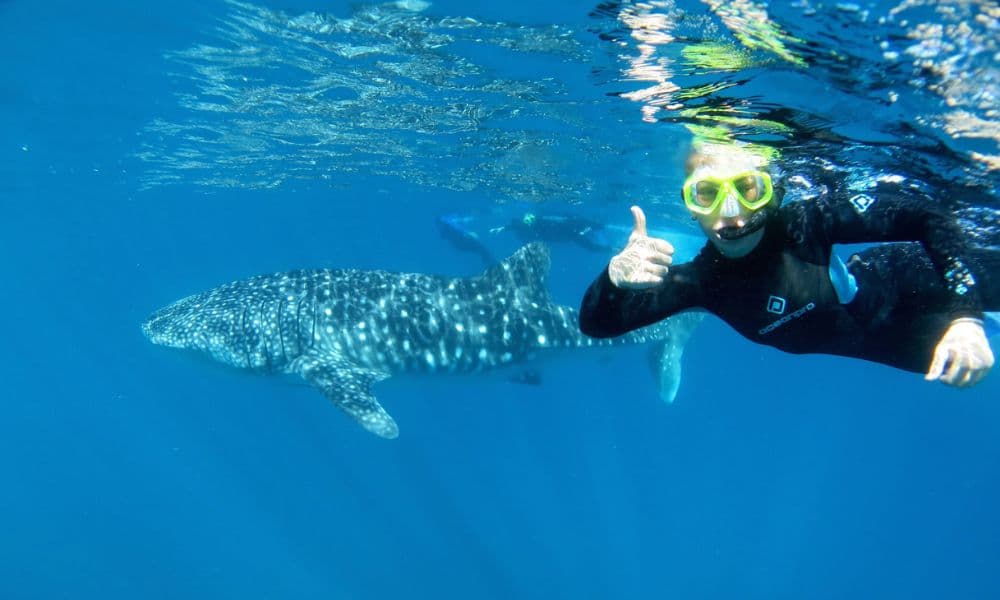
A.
x: 344, y: 330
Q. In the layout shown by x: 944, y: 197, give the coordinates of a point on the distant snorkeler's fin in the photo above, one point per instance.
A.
x: 665, y: 358
x: 457, y: 229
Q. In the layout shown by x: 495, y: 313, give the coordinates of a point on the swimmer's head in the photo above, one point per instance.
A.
x: 728, y: 190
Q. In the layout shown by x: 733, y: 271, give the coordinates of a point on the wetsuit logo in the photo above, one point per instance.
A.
x: 786, y: 318
x: 776, y: 305
x: 862, y: 202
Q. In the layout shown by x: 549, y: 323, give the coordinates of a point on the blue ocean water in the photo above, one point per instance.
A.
x: 134, y: 174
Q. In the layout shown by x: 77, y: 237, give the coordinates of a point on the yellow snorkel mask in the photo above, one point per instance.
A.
x: 704, y: 194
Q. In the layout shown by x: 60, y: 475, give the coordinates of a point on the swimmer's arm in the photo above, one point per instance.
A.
x: 610, y: 311
x: 888, y: 217
x: 962, y: 357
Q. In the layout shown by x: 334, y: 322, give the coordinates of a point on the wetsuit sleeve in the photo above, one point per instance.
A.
x: 892, y: 217
x: 609, y: 311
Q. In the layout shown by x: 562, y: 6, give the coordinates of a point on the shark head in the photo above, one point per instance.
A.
x: 165, y: 327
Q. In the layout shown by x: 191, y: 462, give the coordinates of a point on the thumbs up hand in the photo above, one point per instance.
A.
x: 644, y: 261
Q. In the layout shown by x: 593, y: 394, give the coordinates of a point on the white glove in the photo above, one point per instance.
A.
x: 644, y: 261
x: 963, y: 356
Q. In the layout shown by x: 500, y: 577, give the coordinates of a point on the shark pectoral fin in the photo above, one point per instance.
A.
x: 666, y: 357
x: 349, y: 387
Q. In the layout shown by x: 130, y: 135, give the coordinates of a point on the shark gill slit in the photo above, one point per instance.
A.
x: 315, y: 319
x: 267, y: 351
x: 246, y: 336
x: 305, y: 343
x: 281, y: 329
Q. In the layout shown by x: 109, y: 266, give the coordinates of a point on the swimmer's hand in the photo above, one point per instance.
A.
x: 644, y: 261
x: 963, y: 356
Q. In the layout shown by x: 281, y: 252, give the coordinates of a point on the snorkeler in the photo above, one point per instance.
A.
x: 532, y: 227
x: 769, y: 271
x: 460, y: 230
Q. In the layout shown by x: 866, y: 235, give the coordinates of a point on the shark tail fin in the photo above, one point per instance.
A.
x: 528, y: 268
x: 665, y: 357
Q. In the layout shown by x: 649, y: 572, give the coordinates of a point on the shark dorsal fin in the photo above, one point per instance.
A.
x: 528, y: 268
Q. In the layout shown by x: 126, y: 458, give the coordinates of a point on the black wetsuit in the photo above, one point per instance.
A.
x: 563, y: 228
x: 591, y: 235
x: 782, y: 294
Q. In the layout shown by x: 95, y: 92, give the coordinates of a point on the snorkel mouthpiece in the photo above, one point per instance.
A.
x: 754, y: 223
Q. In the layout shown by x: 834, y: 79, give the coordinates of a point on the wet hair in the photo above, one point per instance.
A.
x: 703, y: 153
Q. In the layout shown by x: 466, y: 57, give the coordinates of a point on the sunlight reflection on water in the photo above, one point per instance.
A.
x: 508, y: 110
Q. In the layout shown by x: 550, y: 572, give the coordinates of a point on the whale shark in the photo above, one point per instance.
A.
x: 343, y: 330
